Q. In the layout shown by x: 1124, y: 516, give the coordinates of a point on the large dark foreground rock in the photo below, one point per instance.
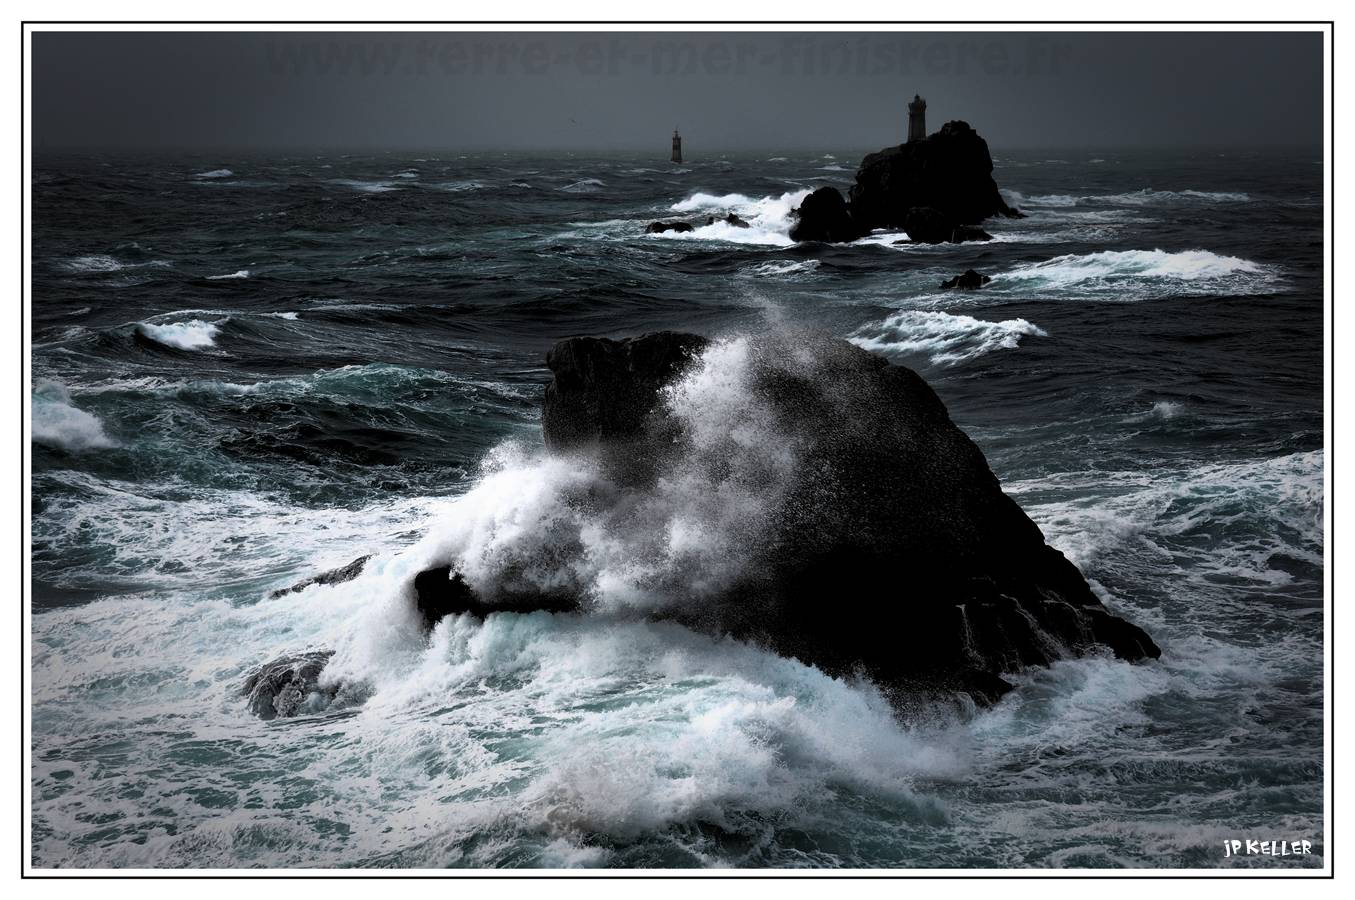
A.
x: 891, y: 552
x: 936, y: 189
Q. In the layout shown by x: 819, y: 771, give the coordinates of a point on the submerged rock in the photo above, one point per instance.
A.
x: 661, y: 227
x: 333, y: 576
x: 825, y: 216
x: 286, y: 686
x: 969, y: 281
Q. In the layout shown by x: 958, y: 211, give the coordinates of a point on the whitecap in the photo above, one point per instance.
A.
x: 94, y: 263
x: 192, y: 335
x: 367, y: 187
x: 214, y: 173
x: 242, y: 273
x: 785, y: 268
x: 583, y: 186
x: 457, y: 187
x: 58, y: 422
x: 1139, y: 274
x: 943, y: 337
x: 1144, y: 197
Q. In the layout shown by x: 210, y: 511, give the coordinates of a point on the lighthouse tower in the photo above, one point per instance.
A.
x: 917, y: 119
x: 677, y: 146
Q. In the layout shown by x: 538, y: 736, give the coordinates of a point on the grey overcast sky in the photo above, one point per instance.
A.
x: 625, y: 91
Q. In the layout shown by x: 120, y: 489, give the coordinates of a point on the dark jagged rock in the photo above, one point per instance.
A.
x: 731, y: 219
x: 969, y: 281
x: 893, y: 552
x: 333, y: 576
x: 661, y: 227
x: 825, y: 216
x: 282, y: 688
x: 949, y: 171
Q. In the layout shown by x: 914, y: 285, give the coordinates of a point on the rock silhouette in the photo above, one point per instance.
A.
x: 969, y: 281
x: 949, y: 174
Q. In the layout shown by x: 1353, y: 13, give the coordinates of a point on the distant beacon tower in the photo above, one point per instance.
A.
x: 677, y: 146
x: 917, y: 119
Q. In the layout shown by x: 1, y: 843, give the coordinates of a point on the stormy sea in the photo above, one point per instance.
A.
x: 250, y: 370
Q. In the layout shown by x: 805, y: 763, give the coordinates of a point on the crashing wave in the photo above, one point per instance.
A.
x: 769, y: 218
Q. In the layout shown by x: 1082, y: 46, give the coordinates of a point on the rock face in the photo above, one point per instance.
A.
x: 894, y: 550
x: 282, y: 688
x: 825, y: 216
x: 969, y: 281
x: 932, y: 188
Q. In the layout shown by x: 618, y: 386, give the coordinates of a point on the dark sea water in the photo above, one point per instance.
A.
x: 247, y: 370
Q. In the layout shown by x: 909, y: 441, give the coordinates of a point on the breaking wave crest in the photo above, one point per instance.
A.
x: 193, y: 335
x: 57, y: 422
x: 943, y: 337
x: 1138, y: 274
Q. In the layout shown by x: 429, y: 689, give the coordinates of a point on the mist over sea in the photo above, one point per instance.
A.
x: 248, y: 370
